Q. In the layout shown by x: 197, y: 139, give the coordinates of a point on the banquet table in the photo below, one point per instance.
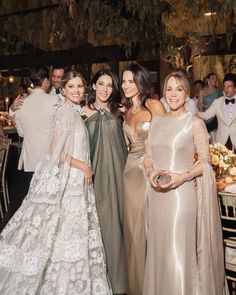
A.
x: 9, y: 130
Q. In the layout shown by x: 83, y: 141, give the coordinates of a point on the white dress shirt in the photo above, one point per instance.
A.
x: 59, y: 95
x: 230, y: 109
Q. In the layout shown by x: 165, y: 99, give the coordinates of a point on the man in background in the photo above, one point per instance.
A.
x: 33, y: 120
x: 224, y: 108
x: 56, y: 78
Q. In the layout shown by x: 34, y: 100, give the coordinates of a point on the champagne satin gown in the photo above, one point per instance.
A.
x: 184, y: 240
x: 135, y: 208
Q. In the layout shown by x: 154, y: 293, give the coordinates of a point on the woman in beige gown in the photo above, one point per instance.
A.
x: 136, y: 87
x: 184, y: 243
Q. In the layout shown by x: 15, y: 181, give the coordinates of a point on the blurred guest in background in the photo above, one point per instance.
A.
x: 33, y: 120
x: 56, y: 81
x: 206, y: 97
x: 198, y: 85
x: 224, y: 108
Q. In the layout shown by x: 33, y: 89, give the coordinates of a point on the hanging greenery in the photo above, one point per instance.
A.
x: 146, y: 27
x: 143, y: 24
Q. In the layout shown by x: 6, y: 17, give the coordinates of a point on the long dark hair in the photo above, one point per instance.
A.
x: 114, y: 101
x: 143, y: 82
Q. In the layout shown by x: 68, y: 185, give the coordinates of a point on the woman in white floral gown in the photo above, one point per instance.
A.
x: 53, y: 244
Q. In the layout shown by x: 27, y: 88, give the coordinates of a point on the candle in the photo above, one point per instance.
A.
x: 7, y: 100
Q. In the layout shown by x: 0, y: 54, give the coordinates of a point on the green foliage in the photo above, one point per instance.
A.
x: 142, y: 23
x: 136, y: 25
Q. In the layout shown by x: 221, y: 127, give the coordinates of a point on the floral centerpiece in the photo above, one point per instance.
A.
x: 6, y: 119
x: 224, y: 164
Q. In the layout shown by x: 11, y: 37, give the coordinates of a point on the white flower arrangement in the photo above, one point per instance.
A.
x: 224, y: 165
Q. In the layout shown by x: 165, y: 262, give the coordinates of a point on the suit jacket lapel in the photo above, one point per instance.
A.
x: 221, y: 110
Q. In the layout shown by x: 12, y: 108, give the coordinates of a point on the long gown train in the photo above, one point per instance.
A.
x: 184, y: 242
x: 135, y: 209
x: 53, y: 244
x: 108, y: 155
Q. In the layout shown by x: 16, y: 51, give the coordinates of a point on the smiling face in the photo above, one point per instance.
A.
x: 175, y: 94
x: 229, y: 88
x: 128, y: 85
x: 74, y: 90
x: 103, y: 88
x: 57, y: 75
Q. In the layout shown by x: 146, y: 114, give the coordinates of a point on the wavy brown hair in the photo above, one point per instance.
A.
x: 143, y: 82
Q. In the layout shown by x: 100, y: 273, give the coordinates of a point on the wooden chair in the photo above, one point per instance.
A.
x: 4, y: 152
x: 228, y: 216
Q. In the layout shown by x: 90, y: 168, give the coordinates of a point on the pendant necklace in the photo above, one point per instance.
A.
x: 101, y: 109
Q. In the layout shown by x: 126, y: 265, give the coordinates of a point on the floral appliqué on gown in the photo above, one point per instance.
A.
x: 53, y: 244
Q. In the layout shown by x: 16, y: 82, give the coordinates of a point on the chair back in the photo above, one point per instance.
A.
x: 4, y: 152
x: 228, y: 211
x: 227, y: 202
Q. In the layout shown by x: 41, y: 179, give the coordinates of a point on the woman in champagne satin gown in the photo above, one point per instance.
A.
x: 108, y: 155
x: 184, y: 241
x: 137, y: 89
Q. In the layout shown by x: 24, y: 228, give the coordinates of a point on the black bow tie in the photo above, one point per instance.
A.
x: 227, y: 101
x: 57, y: 91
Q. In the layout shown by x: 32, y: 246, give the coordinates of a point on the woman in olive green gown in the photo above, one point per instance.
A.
x: 108, y: 155
x: 140, y: 108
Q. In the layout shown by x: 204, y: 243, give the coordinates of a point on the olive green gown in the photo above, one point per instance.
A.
x: 108, y: 156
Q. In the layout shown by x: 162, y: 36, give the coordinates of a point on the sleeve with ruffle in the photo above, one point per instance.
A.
x: 209, y: 231
x: 52, y: 170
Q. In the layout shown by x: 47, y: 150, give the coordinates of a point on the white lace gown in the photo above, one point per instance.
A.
x: 53, y: 244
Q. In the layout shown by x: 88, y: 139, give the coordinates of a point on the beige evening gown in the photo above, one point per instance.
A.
x: 135, y: 208
x: 184, y: 240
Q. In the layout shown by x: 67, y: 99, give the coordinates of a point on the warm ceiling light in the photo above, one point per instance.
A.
x: 209, y: 13
x: 11, y: 79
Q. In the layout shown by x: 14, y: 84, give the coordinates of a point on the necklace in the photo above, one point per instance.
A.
x: 101, y: 109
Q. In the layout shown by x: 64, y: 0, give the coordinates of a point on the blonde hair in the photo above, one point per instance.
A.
x: 181, y: 78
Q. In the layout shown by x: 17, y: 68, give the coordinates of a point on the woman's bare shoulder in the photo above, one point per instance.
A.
x: 156, y: 107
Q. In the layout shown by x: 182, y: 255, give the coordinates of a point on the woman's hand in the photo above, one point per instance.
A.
x: 152, y: 176
x: 177, y: 179
x: 88, y: 173
x: 17, y: 103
